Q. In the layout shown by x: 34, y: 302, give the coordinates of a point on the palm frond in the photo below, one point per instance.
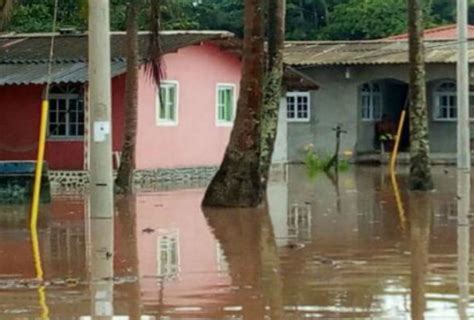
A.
x: 153, y: 58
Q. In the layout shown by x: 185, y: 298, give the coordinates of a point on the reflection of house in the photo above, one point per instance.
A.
x: 299, y: 221
x: 181, y: 255
x: 360, y: 82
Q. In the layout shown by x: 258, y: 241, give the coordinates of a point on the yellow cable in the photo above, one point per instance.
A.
x: 39, y: 164
x: 393, y: 158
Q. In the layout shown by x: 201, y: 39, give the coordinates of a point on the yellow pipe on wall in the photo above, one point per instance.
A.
x: 393, y: 158
x: 39, y: 164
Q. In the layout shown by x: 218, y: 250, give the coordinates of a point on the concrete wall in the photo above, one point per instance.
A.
x: 196, y: 140
x: 338, y: 101
x: 280, y: 153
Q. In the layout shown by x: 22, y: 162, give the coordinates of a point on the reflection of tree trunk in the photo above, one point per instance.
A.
x: 249, y: 246
x: 420, y: 218
x: 237, y: 183
x: 127, y: 218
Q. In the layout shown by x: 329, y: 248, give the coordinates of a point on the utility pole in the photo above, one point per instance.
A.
x: 100, y: 125
x: 464, y: 134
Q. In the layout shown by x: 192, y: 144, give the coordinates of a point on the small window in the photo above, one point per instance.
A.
x: 167, y: 103
x: 371, y: 102
x: 298, y: 106
x: 66, y: 112
x: 225, y: 108
x: 445, y: 99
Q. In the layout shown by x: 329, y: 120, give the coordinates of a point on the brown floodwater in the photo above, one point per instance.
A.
x: 355, y: 246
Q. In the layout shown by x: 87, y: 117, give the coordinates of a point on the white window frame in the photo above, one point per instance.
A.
x: 167, y: 122
x: 295, y: 95
x: 371, y: 95
x: 67, y: 122
x: 437, y: 96
x: 224, y: 123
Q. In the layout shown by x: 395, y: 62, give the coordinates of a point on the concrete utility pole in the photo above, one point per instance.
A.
x: 101, y: 170
x: 464, y: 134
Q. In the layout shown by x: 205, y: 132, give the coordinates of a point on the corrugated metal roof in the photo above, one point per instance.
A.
x: 24, y: 57
x: 367, y: 52
x: 36, y: 73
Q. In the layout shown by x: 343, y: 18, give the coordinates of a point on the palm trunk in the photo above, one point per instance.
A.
x: 420, y: 171
x: 124, y: 180
x: 273, y: 86
x: 237, y: 182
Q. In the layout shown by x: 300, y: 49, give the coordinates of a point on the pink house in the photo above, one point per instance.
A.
x: 187, y: 131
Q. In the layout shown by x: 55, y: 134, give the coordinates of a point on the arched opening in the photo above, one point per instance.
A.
x: 381, y: 103
x: 66, y: 111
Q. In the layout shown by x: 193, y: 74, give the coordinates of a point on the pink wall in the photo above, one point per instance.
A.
x: 177, y: 212
x: 196, y: 140
x: 19, y: 126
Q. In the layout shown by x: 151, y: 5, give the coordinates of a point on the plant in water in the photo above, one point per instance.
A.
x: 316, y: 163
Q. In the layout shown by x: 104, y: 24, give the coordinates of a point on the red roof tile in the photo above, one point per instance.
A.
x: 448, y: 32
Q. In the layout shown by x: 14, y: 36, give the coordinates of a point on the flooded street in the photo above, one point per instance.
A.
x: 350, y: 247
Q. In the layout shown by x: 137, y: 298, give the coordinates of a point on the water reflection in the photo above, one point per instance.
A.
x: 330, y: 247
x: 420, y: 220
x: 248, y: 243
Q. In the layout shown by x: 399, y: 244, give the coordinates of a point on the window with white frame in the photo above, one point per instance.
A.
x: 168, y: 255
x: 445, y: 102
x: 371, y: 102
x: 298, y: 106
x: 66, y: 112
x: 225, y: 107
x: 167, y: 103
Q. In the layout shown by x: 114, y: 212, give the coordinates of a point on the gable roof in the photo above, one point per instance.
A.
x: 24, y: 57
x: 324, y: 53
x: 447, y: 32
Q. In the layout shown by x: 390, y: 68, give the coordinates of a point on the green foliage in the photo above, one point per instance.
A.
x: 306, y: 19
x: 315, y: 163
x: 366, y: 19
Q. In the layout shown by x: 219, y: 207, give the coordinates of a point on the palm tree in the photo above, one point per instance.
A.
x: 124, y: 181
x: 273, y: 86
x: 420, y: 172
x: 237, y: 182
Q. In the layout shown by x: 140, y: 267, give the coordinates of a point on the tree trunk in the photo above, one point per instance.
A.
x: 237, y: 182
x: 124, y: 180
x: 420, y: 171
x: 273, y: 86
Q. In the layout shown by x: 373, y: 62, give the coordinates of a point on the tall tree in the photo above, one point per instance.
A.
x: 273, y: 86
x: 124, y: 181
x: 420, y: 171
x: 237, y: 182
